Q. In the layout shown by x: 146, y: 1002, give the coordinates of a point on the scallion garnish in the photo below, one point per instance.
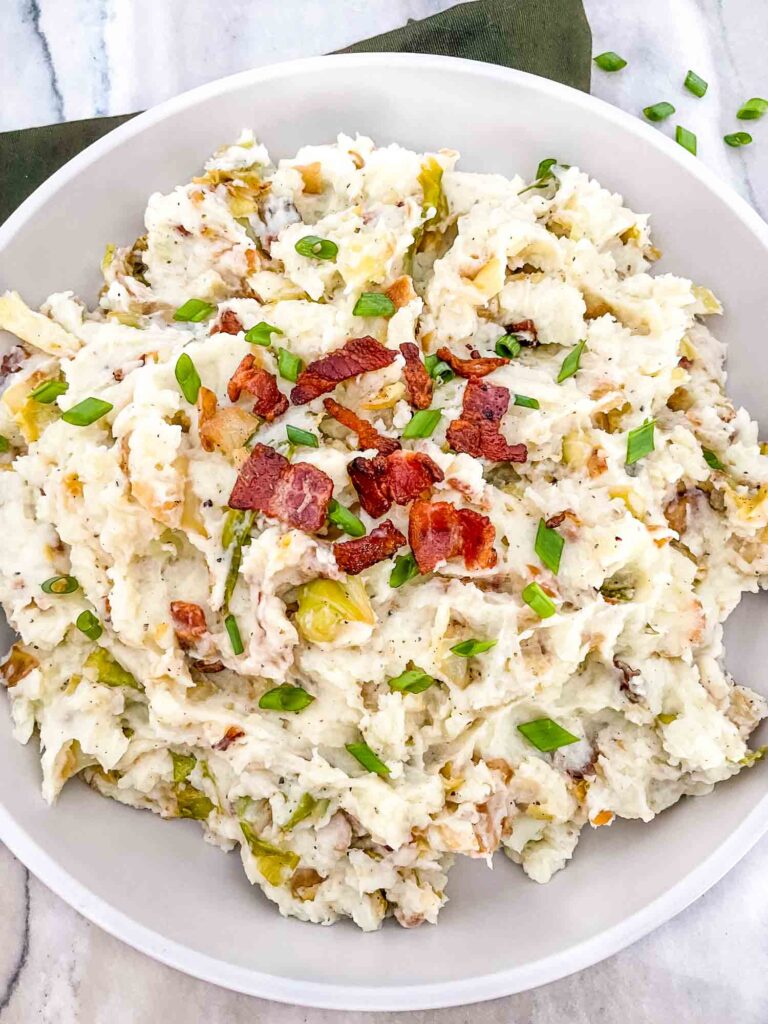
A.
x: 187, y: 378
x: 508, y: 346
x: 609, y: 61
x: 60, y: 585
x: 693, y: 83
x: 640, y: 442
x: 289, y: 366
x: 233, y: 630
x: 363, y: 754
x: 549, y: 546
x: 546, y: 735
x: 752, y: 109
x: 405, y: 569
x: 374, y: 304
x: 87, y: 623
x: 49, y: 391
x: 5, y: 444
x: 737, y: 139
x: 544, y: 175
x: 571, y: 362
x: 414, y: 680
x: 540, y: 602
x: 686, y: 139
x: 422, y: 423
x: 711, y: 459
x: 659, y: 111
x: 87, y: 412
x: 345, y: 520
x: 260, y: 334
x: 526, y: 402
x: 439, y: 371
x: 193, y: 311
x: 470, y: 648
x: 285, y: 698
x: 298, y: 436
x: 317, y: 248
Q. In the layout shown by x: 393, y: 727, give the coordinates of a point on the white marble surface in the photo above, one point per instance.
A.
x: 63, y: 59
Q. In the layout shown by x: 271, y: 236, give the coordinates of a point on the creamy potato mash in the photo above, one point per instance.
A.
x: 485, y: 617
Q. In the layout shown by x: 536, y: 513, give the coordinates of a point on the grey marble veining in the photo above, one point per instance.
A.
x: 64, y: 59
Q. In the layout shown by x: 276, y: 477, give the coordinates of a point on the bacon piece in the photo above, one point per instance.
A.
x: 525, y: 327
x: 438, y: 531
x: 297, y: 494
x: 208, y: 666
x: 352, y: 556
x: 417, y: 380
x: 477, y: 432
x: 12, y: 362
x: 367, y: 435
x: 475, y: 367
x: 188, y: 622
x: 229, y: 323
x: 359, y: 355
x: 369, y: 478
x: 234, y: 732
x: 270, y: 401
x: 400, y: 477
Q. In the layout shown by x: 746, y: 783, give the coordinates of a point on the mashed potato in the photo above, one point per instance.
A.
x: 549, y: 659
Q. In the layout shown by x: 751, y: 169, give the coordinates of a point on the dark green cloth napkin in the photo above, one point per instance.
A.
x: 551, y: 38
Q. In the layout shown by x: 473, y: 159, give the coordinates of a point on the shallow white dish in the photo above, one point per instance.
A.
x: 155, y: 884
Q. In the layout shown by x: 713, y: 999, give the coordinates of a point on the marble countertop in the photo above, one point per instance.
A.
x: 65, y: 59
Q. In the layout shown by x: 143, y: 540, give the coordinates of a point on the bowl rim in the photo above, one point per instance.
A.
x: 435, y: 994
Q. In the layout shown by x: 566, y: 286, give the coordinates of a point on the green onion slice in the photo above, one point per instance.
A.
x: 183, y: 765
x: 405, y: 569
x: 711, y: 459
x: 374, y: 304
x: 193, y: 311
x: 571, y: 362
x: 298, y: 436
x: 546, y: 735
x: 549, y: 546
x: 659, y: 111
x: 640, y: 442
x: 260, y: 334
x: 345, y: 520
x: 366, y: 757
x: 508, y: 346
x: 526, y: 402
x: 695, y: 84
x: 187, y: 378
x: 5, y: 444
x: 234, y: 634
x: 737, y: 139
x: 306, y: 806
x: 60, y: 585
x: 414, y: 680
x: 609, y: 61
x: 686, y: 139
x: 316, y: 248
x: 289, y: 366
x: 438, y: 370
x: 86, y: 412
x: 49, y: 391
x: 544, y: 175
x: 752, y: 109
x: 540, y: 602
x: 285, y: 698
x: 422, y: 423
x: 469, y: 648
x: 87, y: 623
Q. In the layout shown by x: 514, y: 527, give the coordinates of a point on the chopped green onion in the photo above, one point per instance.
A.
x: 49, y: 391
x: 693, y: 83
x: 609, y: 61
x: 544, y: 175
x: 298, y: 436
x: 536, y: 599
x: 469, y: 648
x: 260, y: 334
x: 549, y: 546
x: 508, y: 346
x: 438, y: 370
x: 345, y: 520
x: 546, y: 735
x: 306, y: 806
x: 737, y: 139
x: 666, y: 718
x: 60, y: 585
x: 686, y: 139
x: 571, y: 362
x: 289, y: 366
x: 317, y: 248
x: 526, y: 402
x: 752, y: 109
x: 86, y: 412
x: 374, y: 304
x: 405, y: 569
x: 659, y: 111
x: 183, y: 764
x: 236, y: 533
x: 5, y: 444
x: 640, y: 442
x: 711, y: 459
x: 192, y: 803
x: 414, y: 680
x: 366, y: 757
x: 110, y: 672
x: 87, y: 623
x: 187, y: 378
x: 285, y: 698
x: 193, y: 311
x: 422, y: 423
x: 234, y: 634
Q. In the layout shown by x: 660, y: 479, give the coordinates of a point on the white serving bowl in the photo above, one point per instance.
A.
x: 156, y: 884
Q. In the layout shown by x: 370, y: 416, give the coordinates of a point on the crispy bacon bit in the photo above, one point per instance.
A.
x: 417, y: 380
x: 183, y: 231
x: 297, y: 494
x: 627, y: 673
x: 401, y: 291
x: 367, y: 435
x: 479, y: 366
x: 229, y: 323
x: 527, y: 328
x: 438, y: 531
x: 359, y: 355
x: 400, y: 477
x: 369, y: 478
x: 554, y: 521
x: 208, y: 666
x: 477, y: 432
x: 352, y: 556
x: 188, y: 622
x: 233, y: 733
x: 685, y: 363
x: 250, y: 377
x: 12, y: 362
